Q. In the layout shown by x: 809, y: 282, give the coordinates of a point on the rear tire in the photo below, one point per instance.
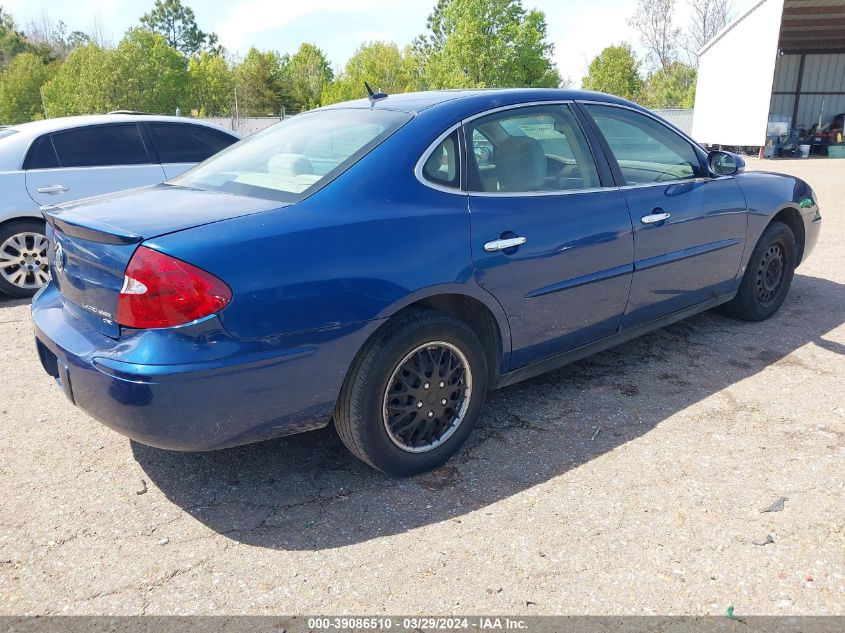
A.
x: 768, y: 275
x: 23, y: 244
x: 413, y: 394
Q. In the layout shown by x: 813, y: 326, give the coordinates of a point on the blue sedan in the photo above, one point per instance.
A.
x: 380, y: 264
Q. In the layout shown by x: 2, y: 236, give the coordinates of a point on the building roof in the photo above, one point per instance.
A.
x: 806, y: 26
x: 812, y: 26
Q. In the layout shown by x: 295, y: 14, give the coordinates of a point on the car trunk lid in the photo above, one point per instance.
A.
x: 92, y: 241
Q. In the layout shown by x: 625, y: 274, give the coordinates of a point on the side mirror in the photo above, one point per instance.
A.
x: 725, y: 163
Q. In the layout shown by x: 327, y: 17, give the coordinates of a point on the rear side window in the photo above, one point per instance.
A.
x: 99, y: 146
x: 180, y: 143
x: 442, y: 167
x: 528, y: 150
x: 42, y: 155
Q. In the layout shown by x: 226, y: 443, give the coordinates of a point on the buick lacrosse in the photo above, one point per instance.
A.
x: 380, y: 264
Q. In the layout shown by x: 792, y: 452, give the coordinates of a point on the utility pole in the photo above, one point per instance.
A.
x: 235, y: 113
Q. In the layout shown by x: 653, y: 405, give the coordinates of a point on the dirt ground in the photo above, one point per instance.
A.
x: 634, y: 482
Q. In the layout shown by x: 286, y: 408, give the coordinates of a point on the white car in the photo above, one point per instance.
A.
x: 59, y: 160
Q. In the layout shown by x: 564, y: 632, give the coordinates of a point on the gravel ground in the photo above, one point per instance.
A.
x: 634, y: 482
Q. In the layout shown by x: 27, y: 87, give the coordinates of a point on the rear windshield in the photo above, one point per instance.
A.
x: 295, y: 157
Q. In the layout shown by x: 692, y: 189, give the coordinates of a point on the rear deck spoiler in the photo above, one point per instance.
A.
x: 86, y: 228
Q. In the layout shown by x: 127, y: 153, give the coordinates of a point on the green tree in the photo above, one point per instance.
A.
x: 84, y: 83
x: 308, y: 74
x: 380, y: 64
x: 177, y: 23
x: 212, y: 85
x: 485, y: 44
x: 260, y: 83
x: 674, y: 88
x: 614, y: 71
x: 20, y: 88
x: 150, y: 74
x: 12, y: 41
x: 142, y: 73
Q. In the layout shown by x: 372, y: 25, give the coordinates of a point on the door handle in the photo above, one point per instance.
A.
x: 53, y: 189
x: 654, y: 218
x: 503, y: 245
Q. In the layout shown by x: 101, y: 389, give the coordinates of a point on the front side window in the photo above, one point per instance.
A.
x: 528, y: 150
x: 100, y: 146
x: 442, y: 167
x: 291, y: 159
x: 182, y: 143
x: 646, y: 150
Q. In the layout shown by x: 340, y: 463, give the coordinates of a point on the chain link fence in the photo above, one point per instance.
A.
x: 244, y: 125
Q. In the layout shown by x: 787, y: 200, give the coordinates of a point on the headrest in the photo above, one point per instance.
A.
x: 288, y: 165
x: 521, y: 164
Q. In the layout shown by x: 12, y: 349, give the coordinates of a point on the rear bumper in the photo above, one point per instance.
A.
x: 218, y: 393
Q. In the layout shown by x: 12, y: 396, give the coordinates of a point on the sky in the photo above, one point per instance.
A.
x: 579, y: 29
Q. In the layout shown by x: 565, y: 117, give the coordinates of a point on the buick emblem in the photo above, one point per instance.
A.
x: 59, y: 258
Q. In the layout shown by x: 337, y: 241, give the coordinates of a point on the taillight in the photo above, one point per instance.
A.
x: 162, y: 291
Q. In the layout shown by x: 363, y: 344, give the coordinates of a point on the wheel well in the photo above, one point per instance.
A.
x: 477, y: 316
x: 792, y: 219
x: 29, y: 218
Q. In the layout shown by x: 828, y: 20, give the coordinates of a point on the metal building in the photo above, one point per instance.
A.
x: 778, y: 70
x: 679, y: 117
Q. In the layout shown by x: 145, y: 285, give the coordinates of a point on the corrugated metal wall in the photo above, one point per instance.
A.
x: 822, y: 73
x: 681, y: 119
x: 245, y: 125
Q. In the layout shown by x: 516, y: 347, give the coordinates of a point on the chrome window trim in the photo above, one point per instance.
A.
x: 536, y: 194
x: 665, y: 183
x: 527, y: 104
x: 418, y: 168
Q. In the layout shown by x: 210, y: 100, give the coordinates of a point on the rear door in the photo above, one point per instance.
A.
x: 689, y: 226
x: 551, y: 237
x: 180, y: 146
x: 89, y: 161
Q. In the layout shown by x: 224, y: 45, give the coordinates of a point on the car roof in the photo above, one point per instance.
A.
x: 481, y: 99
x: 46, y: 126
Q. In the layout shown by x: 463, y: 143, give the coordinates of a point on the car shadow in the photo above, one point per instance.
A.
x: 13, y: 302
x: 308, y: 492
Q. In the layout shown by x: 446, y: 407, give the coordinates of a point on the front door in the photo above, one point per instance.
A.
x: 551, y: 243
x: 689, y: 227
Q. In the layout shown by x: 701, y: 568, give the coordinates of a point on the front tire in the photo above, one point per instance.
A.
x: 768, y: 275
x: 23, y: 258
x: 413, y: 394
